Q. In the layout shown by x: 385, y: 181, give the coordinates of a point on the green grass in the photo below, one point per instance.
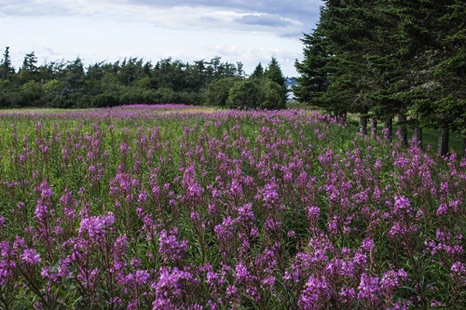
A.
x: 429, y: 135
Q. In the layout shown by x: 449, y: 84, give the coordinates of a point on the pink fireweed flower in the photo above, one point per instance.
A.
x: 241, y: 272
x: 95, y: 227
x: 392, y: 279
x: 402, y: 206
x: 232, y: 291
x: 313, y: 213
x: 140, y: 277
x: 170, y: 248
x: 368, y: 245
x: 41, y: 212
x: 31, y: 256
x: 316, y: 293
x: 236, y: 189
x: 170, y: 284
x: 270, y: 194
x: 142, y: 197
x: 442, y: 210
x: 368, y: 289
x: 458, y: 271
x: 347, y: 295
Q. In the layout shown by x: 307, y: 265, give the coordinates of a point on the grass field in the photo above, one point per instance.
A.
x: 177, y: 207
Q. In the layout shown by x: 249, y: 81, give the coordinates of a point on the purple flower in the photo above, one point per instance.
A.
x: 241, y: 271
x: 313, y: 213
x: 316, y: 293
x: 347, y: 295
x: 96, y: 226
x: 368, y: 245
x: 170, y: 248
x: 442, y: 209
x: 140, y: 277
x: 31, y: 256
x: 391, y: 279
x: 458, y: 271
x: 232, y: 291
x: 402, y: 206
x: 41, y: 212
x: 368, y: 289
x: 169, y: 286
x: 236, y: 188
x: 270, y: 194
x: 142, y: 197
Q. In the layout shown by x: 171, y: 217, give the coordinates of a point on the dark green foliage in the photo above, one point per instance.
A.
x: 258, y: 71
x: 217, y: 92
x: 265, y: 89
x: 6, y: 69
x: 313, y: 79
x: 274, y: 74
x: 382, y: 58
x: 260, y: 93
x: 72, y: 85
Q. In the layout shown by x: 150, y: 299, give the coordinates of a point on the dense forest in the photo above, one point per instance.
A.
x: 386, y: 59
x: 71, y: 84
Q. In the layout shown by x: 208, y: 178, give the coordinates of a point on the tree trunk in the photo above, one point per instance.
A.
x: 363, y: 124
x: 388, y: 128
x: 443, y: 139
x: 417, y: 136
x: 373, y: 127
x: 402, y: 128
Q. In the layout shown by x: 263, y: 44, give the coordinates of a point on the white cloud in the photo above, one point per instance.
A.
x: 245, y: 31
x: 276, y: 16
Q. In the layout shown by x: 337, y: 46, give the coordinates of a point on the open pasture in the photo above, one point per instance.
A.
x: 171, y: 207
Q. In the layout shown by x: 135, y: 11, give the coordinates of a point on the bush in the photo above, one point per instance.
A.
x: 256, y: 93
x: 217, y: 92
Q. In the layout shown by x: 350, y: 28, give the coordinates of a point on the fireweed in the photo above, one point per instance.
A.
x: 167, y: 207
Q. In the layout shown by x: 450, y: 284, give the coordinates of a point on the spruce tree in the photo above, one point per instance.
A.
x: 258, y: 72
x: 313, y: 70
x: 6, y: 68
x: 275, y: 74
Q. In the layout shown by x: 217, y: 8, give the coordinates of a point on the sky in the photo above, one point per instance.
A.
x: 244, y: 31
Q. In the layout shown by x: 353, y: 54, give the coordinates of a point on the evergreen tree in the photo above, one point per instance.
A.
x: 313, y: 70
x: 438, y: 31
x: 274, y: 73
x: 258, y: 72
x: 349, y: 26
x: 29, y: 69
x: 6, y: 69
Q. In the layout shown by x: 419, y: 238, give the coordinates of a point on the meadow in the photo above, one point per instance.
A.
x: 175, y: 207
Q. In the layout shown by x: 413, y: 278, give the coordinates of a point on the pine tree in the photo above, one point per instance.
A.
x: 313, y: 79
x: 258, y: 72
x: 275, y: 74
x: 6, y: 69
x: 439, y: 71
x: 29, y: 69
x: 347, y: 25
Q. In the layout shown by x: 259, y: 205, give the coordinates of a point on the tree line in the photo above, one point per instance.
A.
x: 384, y: 59
x: 72, y: 84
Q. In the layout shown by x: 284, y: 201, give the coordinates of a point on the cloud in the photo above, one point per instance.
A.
x: 264, y: 20
x: 294, y: 9
x: 251, y: 56
x: 246, y: 31
x: 280, y: 18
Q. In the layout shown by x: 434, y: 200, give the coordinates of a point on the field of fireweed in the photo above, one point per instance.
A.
x: 139, y: 207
